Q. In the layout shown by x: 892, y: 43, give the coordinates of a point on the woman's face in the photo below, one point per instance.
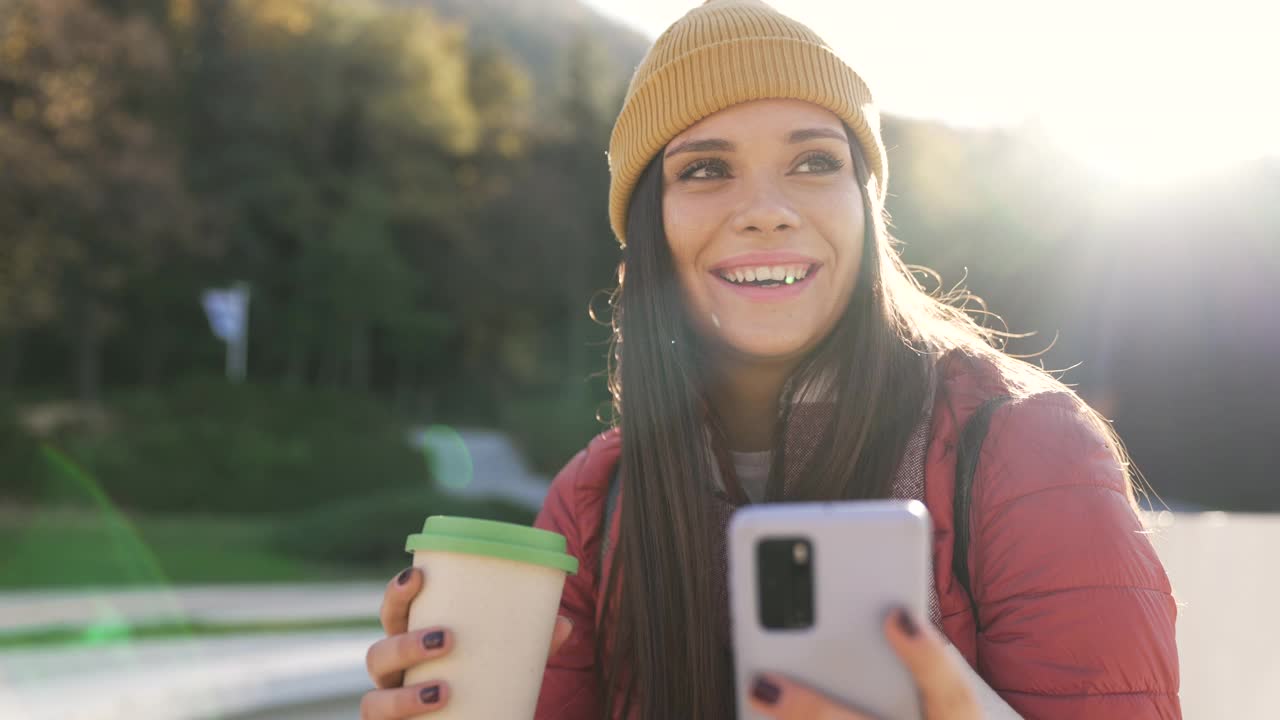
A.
x: 765, y: 222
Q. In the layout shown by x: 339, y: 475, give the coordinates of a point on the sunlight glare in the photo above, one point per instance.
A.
x: 1145, y: 92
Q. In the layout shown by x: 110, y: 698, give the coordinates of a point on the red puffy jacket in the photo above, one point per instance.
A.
x: 1077, y: 612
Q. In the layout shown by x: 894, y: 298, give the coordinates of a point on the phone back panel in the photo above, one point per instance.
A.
x: 867, y: 558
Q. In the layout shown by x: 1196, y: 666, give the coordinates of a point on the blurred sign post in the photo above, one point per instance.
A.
x: 228, y: 313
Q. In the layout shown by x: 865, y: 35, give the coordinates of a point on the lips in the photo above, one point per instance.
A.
x: 764, y: 259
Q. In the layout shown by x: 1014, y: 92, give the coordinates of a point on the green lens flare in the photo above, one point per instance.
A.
x: 128, y: 559
x: 51, y: 537
x: 448, y: 459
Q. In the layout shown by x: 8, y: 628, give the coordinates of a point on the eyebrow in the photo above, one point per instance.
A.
x: 800, y: 136
x: 796, y: 136
x: 690, y: 146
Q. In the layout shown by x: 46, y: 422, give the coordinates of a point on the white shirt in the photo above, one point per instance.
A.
x: 752, y: 469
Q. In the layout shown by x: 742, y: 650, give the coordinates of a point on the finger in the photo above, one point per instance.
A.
x: 564, y: 628
x: 777, y: 697
x: 944, y: 689
x: 388, y: 658
x: 400, y: 592
x: 403, y: 702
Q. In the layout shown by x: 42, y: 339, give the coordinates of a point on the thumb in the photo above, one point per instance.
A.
x: 943, y: 685
x: 564, y: 627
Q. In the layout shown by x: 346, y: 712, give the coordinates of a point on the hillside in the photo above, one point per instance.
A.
x: 542, y: 34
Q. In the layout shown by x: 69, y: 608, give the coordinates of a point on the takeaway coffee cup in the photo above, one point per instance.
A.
x: 497, y: 587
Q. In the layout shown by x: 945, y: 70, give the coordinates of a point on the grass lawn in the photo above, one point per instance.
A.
x: 46, y: 548
x: 98, y: 635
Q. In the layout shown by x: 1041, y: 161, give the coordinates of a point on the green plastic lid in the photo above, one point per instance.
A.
x: 495, y: 539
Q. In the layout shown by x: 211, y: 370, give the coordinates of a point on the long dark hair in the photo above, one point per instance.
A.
x: 659, y: 600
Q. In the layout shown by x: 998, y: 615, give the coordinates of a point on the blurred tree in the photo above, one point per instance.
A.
x: 350, y: 123
x: 588, y: 257
x: 538, y: 32
x: 94, y: 197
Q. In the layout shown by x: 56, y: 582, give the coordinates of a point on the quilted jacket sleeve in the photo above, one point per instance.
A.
x: 1076, y: 610
x: 568, y: 684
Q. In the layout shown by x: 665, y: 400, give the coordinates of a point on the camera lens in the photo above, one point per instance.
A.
x: 800, y: 553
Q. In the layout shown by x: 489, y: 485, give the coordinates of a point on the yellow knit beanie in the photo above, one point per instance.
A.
x: 724, y: 53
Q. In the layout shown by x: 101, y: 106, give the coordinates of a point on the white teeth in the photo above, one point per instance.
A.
x: 778, y: 273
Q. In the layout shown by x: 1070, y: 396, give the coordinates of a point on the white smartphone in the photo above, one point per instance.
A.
x: 810, y: 585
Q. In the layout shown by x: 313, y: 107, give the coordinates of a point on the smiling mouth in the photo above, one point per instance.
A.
x: 767, y: 276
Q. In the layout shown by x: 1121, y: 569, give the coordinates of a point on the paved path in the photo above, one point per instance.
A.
x: 260, y: 676
x: 347, y: 708
x: 207, y: 603
x: 319, y: 676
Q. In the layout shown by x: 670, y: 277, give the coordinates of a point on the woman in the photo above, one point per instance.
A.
x: 771, y: 346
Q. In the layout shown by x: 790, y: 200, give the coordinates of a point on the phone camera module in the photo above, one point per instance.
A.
x: 784, y: 573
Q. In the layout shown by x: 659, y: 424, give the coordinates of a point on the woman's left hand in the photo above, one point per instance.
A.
x: 944, y: 688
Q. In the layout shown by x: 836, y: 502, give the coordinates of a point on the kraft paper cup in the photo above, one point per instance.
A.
x: 496, y: 586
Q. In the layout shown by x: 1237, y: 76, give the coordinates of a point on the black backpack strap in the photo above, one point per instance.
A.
x: 968, y: 452
x: 610, y: 503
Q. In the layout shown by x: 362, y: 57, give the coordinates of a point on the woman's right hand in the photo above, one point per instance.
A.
x: 400, y: 650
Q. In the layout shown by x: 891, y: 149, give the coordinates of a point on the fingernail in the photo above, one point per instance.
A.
x: 765, y: 691
x: 433, y: 640
x: 403, y: 578
x: 907, y: 624
x: 429, y: 694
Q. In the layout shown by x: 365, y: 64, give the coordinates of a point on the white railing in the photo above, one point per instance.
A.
x: 1225, y: 571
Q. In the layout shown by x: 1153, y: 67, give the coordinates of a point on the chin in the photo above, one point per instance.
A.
x: 766, y: 349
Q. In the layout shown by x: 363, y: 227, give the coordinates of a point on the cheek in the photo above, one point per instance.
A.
x: 689, y: 228
x: 842, y: 225
x: 687, y: 225
x: 851, y: 257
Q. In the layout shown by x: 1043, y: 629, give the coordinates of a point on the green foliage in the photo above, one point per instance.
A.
x: 370, y: 531
x: 552, y: 426
x: 205, y: 445
x: 19, y: 457
x: 46, y: 547
x: 393, y: 183
x: 183, y: 551
x: 538, y: 33
x: 392, y: 178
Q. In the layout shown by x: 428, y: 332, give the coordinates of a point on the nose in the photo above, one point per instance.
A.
x: 766, y: 209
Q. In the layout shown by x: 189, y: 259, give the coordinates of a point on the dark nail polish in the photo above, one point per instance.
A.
x: 907, y: 624
x: 765, y: 691
x: 433, y: 640
x: 429, y: 694
x: 403, y: 578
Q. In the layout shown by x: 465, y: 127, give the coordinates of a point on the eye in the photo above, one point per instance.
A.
x: 704, y: 164
x: 825, y: 161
